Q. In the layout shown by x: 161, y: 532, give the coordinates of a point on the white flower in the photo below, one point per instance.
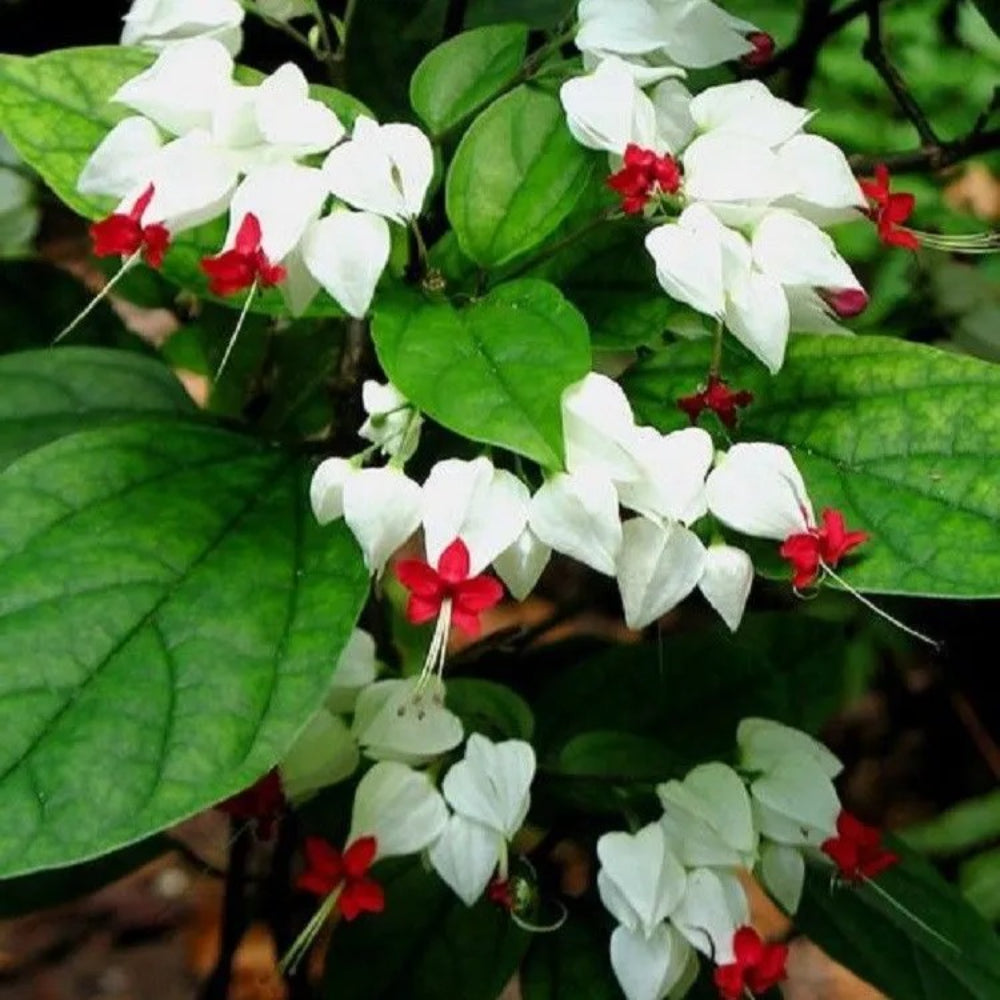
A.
x: 756, y: 489
x: 577, y: 514
x: 713, y: 908
x: 489, y: 791
x: 380, y: 506
x: 747, y: 108
x: 405, y: 720
x: 274, y: 121
x: 658, y: 566
x: 782, y: 872
x: 157, y: 24
x: 726, y: 582
x: 826, y: 190
x: 692, y: 33
x: 323, y: 754
x: 385, y: 169
x: 183, y: 88
x: 522, y: 563
x: 653, y: 967
x: 393, y: 424
x: 283, y: 10
x: 640, y: 880
x: 484, y: 506
x: 356, y: 668
x: 599, y: 429
x: 346, y: 252
x: 399, y: 807
x: 707, y: 818
x: 764, y: 743
x: 123, y: 160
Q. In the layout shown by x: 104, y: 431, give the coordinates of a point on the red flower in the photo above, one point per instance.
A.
x: 643, y: 173
x: 124, y: 235
x: 430, y: 588
x: 243, y: 266
x: 262, y: 803
x: 889, y: 211
x: 857, y: 849
x: 499, y: 892
x: 763, y: 50
x: 758, y: 966
x: 826, y: 545
x: 327, y: 870
x: 717, y: 397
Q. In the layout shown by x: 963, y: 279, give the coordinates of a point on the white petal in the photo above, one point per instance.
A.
x: 688, y: 258
x: 412, y: 158
x: 122, y: 161
x: 674, y: 467
x: 800, y: 803
x: 323, y: 754
x: 521, y: 564
x: 713, y: 908
x: 808, y: 313
x: 326, y: 491
x: 674, y: 124
x: 793, y: 251
x: 492, y: 784
x: 705, y: 35
x: 399, y: 807
x: 465, y: 856
x: 346, y: 253
x: 657, y: 568
x: 756, y: 489
x: 356, y: 669
x: 606, y: 110
x: 749, y: 109
x: 824, y: 180
x: 299, y: 287
x: 629, y: 29
x: 648, y: 968
x: 395, y: 721
x: 722, y: 167
x: 726, y: 582
x: 578, y: 515
x: 285, y: 198
x: 181, y: 89
x: 764, y: 743
x: 156, y: 24
x: 382, y: 509
x: 287, y: 116
x: 783, y: 872
x: 486, y: 507
x: 599, y: 428
x: 644, y: 873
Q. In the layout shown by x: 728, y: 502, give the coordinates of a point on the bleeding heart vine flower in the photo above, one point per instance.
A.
x: 156, y: 24
x: 261, y: 805
x: 356, y: 668
x: 717, y: 397
x: 126, y: 234
x: 857, y: 850
x: 756, y: 967
x: 392, y: 422
x: 489, y: 792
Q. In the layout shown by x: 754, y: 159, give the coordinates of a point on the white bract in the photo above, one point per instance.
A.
x: 707, y: 818
x: 522, y: 563
x: 157, y: 24
x: 484, y: 506
x: 19, y: 213
x: 662, y: 33
x: 399, y: 807
x: 283, y: 10
x: 323, y: 754
x: 489, y: 791
x: 756, y: 489
x: 713, y: 908
x: 405, y: 720
x: 392, y: 423
x: 356, y: 668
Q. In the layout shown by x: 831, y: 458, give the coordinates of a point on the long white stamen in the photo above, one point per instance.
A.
x: 127, y: 264
x: 236, y: 332
x: 879, y: 611
x: 305, y: 939
x: 907, y: 913
x: 543, y: 928
x: 435, y: 651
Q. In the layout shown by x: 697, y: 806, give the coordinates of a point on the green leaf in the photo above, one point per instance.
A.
x: 48, y: 394
x: 490, y: 708
x: 963, y: 827
x: 604, y: 753
x: 55, y: 110
x: 31, y: 893
x: 462, y: 74
x: 535, y: 13
x: 572, y: 963
x: 904, y: 439
x: 890, y: 949
x: 990, y: 9
x: 779, y: 666
x: 517, y: 173
x: 170, y: 614
x: 471, y: 370
x: 979, y: 880
x: 426, y: 945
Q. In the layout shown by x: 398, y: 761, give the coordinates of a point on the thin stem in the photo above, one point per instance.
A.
x: 938, y: 157
x: 236, y: 332
x: 328, y: 55
x: 283, y: 26
x: 421, y: 245
x: 100, y: 296
x: 716, y: 366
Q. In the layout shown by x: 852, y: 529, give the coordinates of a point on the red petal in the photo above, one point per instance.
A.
x: 229, y: 273
x: 770, y: 970
x: 248, y: 235
x: 878, y: 864
x: 420, y: 610
x: 692, y: 405
x: 453, y: 566
x: 316, y: 884
x: 116, y: 235
x: 747, y: 946
x: 359, y: 856
x: 323, y: 858
x: 419, y: 578
x: 466, y: 621
x: 729, y: 981
x: 802, y: 551
x: 478, y: 594
x: 138, y: 210
x: 850, y: 827
x: 156, y: 241
x: 843, y: 854
x: 899, y: 207
x: 363, y: 896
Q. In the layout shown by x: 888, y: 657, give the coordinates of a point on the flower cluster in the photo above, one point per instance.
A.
x: 674, y: 886
x: 739, y: 191
x: 201, y: 144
